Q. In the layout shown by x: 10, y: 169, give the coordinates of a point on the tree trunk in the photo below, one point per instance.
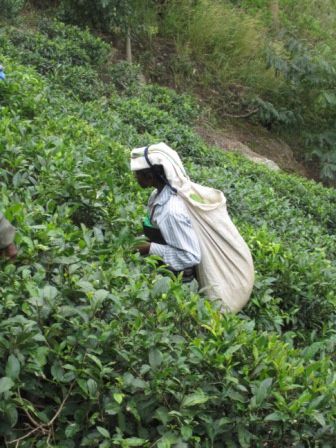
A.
x: 275, y: 11
x: 128, y: 46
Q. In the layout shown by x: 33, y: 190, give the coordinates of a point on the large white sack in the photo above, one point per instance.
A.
x: 226, y: 270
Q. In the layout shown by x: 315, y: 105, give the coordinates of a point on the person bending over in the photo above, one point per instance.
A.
x: 168, y: 226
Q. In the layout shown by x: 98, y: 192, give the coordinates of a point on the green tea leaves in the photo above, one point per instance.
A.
x: 6, y: 384
x: 261, y: 392
x: 155, y: 358
x: 13, y: 367
x: 194, y: 399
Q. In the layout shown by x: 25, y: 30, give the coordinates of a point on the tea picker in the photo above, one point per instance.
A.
x: 168, y: 225
x: 195, y: 228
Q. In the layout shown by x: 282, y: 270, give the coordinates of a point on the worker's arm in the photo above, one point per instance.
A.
x: 182, y: 249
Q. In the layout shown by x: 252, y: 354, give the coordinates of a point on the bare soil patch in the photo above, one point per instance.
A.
x: 255, y: 143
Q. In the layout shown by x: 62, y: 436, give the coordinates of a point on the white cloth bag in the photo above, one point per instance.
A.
x: 226, y: 270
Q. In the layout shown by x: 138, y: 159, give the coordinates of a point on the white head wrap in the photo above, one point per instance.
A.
x: 161, y: 154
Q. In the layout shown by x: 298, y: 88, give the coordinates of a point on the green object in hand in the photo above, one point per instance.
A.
x: 147, y: 221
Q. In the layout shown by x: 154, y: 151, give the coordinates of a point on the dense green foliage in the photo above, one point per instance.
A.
x: 69, y: 56
x: 269, y: 61
x: 109, y: 15
x: 10, y: 8
x: 99, y: 347
x: 248, y: 63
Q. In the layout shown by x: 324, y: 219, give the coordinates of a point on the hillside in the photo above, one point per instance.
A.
x: 100, y: 348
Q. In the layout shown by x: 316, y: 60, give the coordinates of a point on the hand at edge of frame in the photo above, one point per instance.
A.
x: 143, y: 248
x: 9, y: 252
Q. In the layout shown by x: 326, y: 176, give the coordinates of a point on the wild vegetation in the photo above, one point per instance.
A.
x: 101, y: 348
x: 270, y: 62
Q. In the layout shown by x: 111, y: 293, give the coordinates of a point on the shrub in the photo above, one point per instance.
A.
x: 22, y: 91
x: 74, y: 59
x: 58, y: 44
x: 125, y: 77
x: 100, y: 347
x: 111, y: 15
x: 80, y: 81
x: 182, y: 107
x: 10, y: 8
x: 75, y: 39
x: 223, y: 45
x: 310, y: 116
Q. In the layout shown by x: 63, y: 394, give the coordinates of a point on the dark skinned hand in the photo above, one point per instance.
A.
x: 143, y: 248
x: 9, y: 251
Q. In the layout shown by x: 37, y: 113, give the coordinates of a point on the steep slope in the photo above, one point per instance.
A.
x: 98, y: 347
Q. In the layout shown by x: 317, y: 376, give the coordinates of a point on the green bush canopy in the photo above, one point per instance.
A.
x: 100, y: 348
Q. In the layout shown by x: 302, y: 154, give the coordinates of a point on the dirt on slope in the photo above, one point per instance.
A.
x: 256, y: 144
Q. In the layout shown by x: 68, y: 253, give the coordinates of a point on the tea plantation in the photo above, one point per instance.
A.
x: 98, y: 347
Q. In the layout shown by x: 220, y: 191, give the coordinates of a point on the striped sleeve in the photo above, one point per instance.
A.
x: 182, y: 249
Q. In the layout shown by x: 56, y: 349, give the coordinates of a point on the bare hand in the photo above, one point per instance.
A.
x: 9, y: 251
x: 143, y: 248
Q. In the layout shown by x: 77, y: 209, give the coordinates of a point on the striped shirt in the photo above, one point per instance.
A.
x: 172, y: 218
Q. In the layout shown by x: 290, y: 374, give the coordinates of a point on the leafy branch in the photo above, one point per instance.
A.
x: 44, y: 428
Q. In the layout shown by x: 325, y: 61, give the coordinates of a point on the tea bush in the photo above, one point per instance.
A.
x: 73, y: 58
x: 101, y: 348
x: 126, y: 78
x: 10, y: 8
x: 182, y: 107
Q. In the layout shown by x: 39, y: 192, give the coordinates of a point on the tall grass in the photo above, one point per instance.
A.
x: 223, y: 44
